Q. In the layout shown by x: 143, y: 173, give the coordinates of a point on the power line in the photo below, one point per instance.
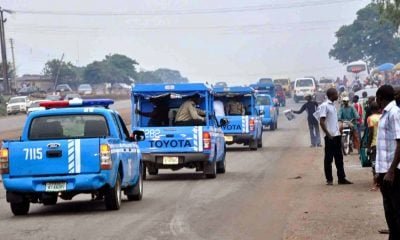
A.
x: 255, y: 8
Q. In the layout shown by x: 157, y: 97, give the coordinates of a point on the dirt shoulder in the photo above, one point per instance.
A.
x: 338, y: 211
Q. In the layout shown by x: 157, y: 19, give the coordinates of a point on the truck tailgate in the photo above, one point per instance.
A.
x: 54, y: 157
x: 236, y: 125
x: 172, y: 139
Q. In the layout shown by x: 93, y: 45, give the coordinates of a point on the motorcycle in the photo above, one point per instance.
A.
x: 347, y: 137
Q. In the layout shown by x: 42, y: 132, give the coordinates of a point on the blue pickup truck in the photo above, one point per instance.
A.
x: 268, y: 110
x: 244, y: 126
x: 72, y: 147
x: 170, y: 144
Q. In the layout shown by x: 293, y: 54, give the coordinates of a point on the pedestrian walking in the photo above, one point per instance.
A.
x: 333, y: 141
x: 388, y: 158
x: 311, y: 106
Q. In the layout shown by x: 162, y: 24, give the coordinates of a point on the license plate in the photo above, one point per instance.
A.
x: 170, y: 160
x: 56, y: 186
x: 228, y: 138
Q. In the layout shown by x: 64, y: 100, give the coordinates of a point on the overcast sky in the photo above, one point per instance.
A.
x: 235, y: 41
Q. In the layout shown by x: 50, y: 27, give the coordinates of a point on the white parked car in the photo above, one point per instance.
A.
x: 35, y: 106
x: 85, y: 89
x: 18, y: 104
x: 302, y: 87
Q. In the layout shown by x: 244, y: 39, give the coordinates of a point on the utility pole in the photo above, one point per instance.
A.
x: 3, y: 53
x: 58, y: 71
x: 13, y: 62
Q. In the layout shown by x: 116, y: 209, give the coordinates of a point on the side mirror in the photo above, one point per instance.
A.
x: 261, y: 112
x: 223, y: 122
x: 137, y: 136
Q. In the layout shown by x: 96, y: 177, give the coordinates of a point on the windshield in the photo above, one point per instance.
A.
x: 265, y: 80
x: 305, y: 83
x: 84, y: 86
x: 263, y: 100
x: 17, y: 100
x: 326, y: 81
x: 68, y: 126
x: 282, y: 81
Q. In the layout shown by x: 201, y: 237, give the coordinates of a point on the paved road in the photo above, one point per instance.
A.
x: 11, y: 123
x: 250, y: 201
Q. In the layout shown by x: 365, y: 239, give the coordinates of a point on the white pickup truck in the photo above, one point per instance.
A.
x: 18, y: 104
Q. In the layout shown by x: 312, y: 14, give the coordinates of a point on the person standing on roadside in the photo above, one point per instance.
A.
x: 333, y: 141
x: 311, y: 106
x: 388, y: 158
x: 373, y: 122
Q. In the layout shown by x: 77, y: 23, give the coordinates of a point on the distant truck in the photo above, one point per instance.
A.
x: 243, y: 128
x: 169, y: 146
x: 268, y: 110
x: 70, y: 149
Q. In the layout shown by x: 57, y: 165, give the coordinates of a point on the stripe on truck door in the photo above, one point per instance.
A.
x: 74, y: 156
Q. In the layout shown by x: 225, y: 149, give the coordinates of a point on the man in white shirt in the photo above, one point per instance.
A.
x: 388, y: 158
x: 333, y: 141
x: 219, y: 108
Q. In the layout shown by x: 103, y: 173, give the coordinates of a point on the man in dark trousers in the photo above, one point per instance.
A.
x: 333, y: 141
x: 311, y: 106
x: 388, y: 158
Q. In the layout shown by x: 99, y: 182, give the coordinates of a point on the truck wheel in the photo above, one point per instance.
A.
x: 272, y: 126
x: 50, y: 200
x: 260, y: 142
x: 21, y: 208
x: 210, y: 169
x: 153, y: 170
x: 144, y: 172
x: 221, y: 165
x: 253, y: 144
x: 276, y: 124
x: 112, y: 196
x: 135, y: 192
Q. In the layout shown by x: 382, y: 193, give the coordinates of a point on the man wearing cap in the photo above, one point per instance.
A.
x: 311, y: 106
x: 349, y: 113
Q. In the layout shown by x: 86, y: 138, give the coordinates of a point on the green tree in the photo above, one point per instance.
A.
x: 390, y: 9
x: 114, y: 68
x: 370, y: 38
x: 10, y: 69
x: 68, y: 73
x: 170, y: 76
x: 147, y: 77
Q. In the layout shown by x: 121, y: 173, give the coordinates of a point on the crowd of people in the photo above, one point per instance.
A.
x: 376, y: 119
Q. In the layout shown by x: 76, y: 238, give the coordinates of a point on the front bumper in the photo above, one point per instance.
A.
x: 77, y: 183
x: 267, y: 121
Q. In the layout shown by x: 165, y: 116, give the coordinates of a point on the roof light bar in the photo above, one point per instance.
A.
x: 77, y: 103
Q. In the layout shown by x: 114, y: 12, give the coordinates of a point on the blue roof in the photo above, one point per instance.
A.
x: 170, y: 88
x: 70, y: 110
x: 237, y: 90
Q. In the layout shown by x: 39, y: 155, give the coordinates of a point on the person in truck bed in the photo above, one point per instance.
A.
x: 159, y: 115
x: 188, y: 114
x: 235, y: 107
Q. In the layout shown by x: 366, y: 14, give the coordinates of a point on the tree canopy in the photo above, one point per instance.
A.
x: 370, y: 38
x: 68, y: 73
x: 390, y: 9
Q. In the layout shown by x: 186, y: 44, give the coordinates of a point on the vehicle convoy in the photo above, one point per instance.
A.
x: 268, y: 110
x: 285, y: 83
x: 18, y: 105
x: 169, y: 144
x: 303, y: 87
x: 72, y: 148
x: 244, y: 120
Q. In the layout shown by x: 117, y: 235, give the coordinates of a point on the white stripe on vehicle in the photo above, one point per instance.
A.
x: 71, y: 156
x: 200, y: 139
x: 195, y: 139
x: 77, y: 155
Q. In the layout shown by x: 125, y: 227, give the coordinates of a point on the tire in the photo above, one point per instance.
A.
x: 113, y: 195
x: 135, y: 192
x: 253, y: 144
x: 272, y: 126
x: 221, y: 165
x: 260, y: 142
x: 345, y: 145
x: 21, y: 208
x: 50, y: 201
x: 210, y: 169
x: 144, y: 172
x: 152, y: 170
x: 276, y: 124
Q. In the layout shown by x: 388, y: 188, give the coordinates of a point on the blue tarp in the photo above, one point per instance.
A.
x: 385, y: 67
